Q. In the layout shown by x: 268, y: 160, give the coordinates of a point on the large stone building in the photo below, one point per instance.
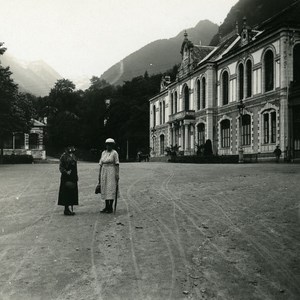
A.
x: 242, y: 94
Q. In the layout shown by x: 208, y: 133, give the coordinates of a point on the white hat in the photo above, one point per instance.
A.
x: 110, y: 141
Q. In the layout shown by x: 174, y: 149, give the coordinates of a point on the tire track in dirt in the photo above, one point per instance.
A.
x: 33, y: 246
x: 191, y: 211
x: 217, y: 249
x: 260, y: 248
x: 165, y: 241
x: 97, y: 284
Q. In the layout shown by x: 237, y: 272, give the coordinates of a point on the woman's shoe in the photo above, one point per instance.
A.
x: 104, y: 210
x: 68, y: 213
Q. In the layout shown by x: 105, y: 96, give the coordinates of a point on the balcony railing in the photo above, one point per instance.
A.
x: 182, y: 115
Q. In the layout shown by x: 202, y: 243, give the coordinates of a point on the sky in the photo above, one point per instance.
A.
x: 82, y: 38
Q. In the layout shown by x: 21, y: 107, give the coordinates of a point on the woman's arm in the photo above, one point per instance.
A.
x: 62, y: 166
x: 99, y: 178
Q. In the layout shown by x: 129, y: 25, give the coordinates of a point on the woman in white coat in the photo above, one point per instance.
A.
x: 109, y: 175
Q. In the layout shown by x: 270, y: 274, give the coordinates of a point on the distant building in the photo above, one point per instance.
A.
x: 31, y: 143
x: 245, y: 92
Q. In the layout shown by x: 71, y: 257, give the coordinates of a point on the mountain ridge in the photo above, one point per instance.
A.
x: 34, y: 77
x: 159, y: 55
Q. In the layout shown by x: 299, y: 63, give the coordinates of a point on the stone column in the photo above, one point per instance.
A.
x: 192, y: 137
x: 186, y: 136
x: 13, y: 141
x: 26, y: 141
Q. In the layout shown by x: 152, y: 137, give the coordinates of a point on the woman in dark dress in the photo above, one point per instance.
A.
x: 68, y: 190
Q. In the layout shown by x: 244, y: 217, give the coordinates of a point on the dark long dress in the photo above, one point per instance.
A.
x: 68, y: 196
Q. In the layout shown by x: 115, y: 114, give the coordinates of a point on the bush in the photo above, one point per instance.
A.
x: 224, y: 159
x: 18, y: 159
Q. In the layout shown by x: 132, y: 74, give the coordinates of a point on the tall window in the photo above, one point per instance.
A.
x: 241, y: 81
x: 198, y: 94
x: 225, y: 134
x: 225, y: 87
x: 154, y: 116
x: 266, y: 128
x: 172, y: 103
x: 160, y: 113
x: 203, y: 92
x: 269, y: 70
x: 162, y: 144
x: 186, y: 98
x: 249, y: 78
x: 19, y: 141
x: 175, y: 104
x: 296, y: 64
x: 246, y: 130
x: 201, y: 134
x: 164, y: 112
x: 273, y: 127
x: 33, y: 141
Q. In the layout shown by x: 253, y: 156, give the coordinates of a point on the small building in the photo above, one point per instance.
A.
x: 242, y: 94
x: 31, y: 143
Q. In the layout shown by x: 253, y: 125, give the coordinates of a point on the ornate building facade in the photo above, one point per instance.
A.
x: 243, y: 94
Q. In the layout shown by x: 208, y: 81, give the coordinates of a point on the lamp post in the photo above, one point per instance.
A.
x: 241, y: 107
x: 153, y: 130
x: 107, y: 105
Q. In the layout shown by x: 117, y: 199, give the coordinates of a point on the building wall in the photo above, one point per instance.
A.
x: 259, y: 103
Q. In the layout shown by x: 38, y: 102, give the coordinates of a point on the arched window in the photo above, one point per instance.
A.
x: 225, y: 134
x: 225, y: 88
x: 175, y: 104
x: 186, y: 98
x: 246, y: 130
x: 269, y: 70
x: 164, y: 113
x: 160, y: 113
x: 154, y: 116
x: 198, y: 94
x: 296, y: 64
x: 241, y: 81
x: 162, y: 144
x: 201, y: 134
x: 269, y: 126
x: 172, y: 104
x: 203, y: 92
x: 249, y: 77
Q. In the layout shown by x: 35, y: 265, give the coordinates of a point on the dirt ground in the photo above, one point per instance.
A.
x: 180, y: 232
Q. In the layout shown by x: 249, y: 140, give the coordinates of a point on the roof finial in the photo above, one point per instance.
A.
x: 244, y: 22
x: 236, y: 27
x: 185, y: 34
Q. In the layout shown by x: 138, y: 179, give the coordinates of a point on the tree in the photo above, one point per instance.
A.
x: 62, y: 109
x: 16, y: 109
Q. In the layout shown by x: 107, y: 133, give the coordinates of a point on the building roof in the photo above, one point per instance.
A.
x: 37, y: 123
x: 201, y: 52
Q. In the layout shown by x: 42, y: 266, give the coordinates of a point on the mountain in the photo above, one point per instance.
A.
x: 159, y: 55
x: 35, y: 77
x: 255, y: 11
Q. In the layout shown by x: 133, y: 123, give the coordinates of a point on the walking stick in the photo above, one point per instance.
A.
x: 116, y: 197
